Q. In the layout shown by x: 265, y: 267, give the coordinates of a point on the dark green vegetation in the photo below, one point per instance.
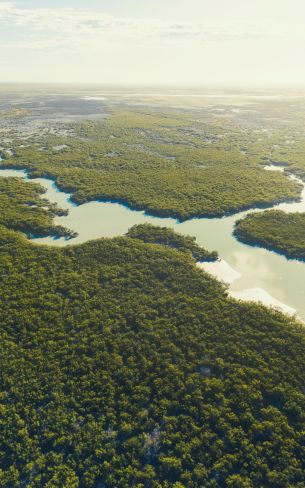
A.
x: 22, y: 208
x: 168, y: 162
x: 124, y: 365
x: 275, y: 230
x: 167, y: 237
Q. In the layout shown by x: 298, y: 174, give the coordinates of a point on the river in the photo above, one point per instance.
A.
x: 251, y: 273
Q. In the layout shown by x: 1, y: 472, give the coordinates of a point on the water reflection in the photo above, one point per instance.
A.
x: 252, y: 272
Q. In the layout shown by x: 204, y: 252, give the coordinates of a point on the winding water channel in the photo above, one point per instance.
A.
x: 252, y: 273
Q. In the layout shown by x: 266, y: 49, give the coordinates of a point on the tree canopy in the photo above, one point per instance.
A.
x: 123, y: 364
x: 276, y: 230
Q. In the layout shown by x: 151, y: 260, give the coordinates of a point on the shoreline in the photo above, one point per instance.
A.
x: 91, y: 236
x: 262, y: 245
x: 151, y: 212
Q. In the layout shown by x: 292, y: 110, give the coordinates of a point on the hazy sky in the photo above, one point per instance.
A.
x: 157, y: 41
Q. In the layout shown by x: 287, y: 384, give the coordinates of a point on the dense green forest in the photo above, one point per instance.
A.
x: 167, y: 237
x: 275, y: 230
x: 23, y: 208
x: 123, y: 364
x: 171, y: 163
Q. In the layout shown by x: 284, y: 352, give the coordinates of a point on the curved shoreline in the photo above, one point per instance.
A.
x: 152, y: 212
x: 258, y: 268
x: 262, y: 245
x: 165, y: 214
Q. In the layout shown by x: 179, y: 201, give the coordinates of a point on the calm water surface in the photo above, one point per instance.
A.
x: 251, y: 272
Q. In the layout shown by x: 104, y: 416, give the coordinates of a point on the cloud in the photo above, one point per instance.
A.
x: 66, y: 44
x: 74, y: 29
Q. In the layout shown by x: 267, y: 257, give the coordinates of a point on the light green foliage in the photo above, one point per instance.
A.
x: 166, y: 162
x: 22, y: 208
x: 275, y: 230
x: 167, y: 237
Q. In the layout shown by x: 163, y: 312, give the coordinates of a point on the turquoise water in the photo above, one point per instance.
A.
x: 252, y: 273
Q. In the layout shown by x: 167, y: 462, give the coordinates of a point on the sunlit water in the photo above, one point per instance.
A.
x: 251, y: 272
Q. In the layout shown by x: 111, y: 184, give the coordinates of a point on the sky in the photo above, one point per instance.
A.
x: 159, y: 42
